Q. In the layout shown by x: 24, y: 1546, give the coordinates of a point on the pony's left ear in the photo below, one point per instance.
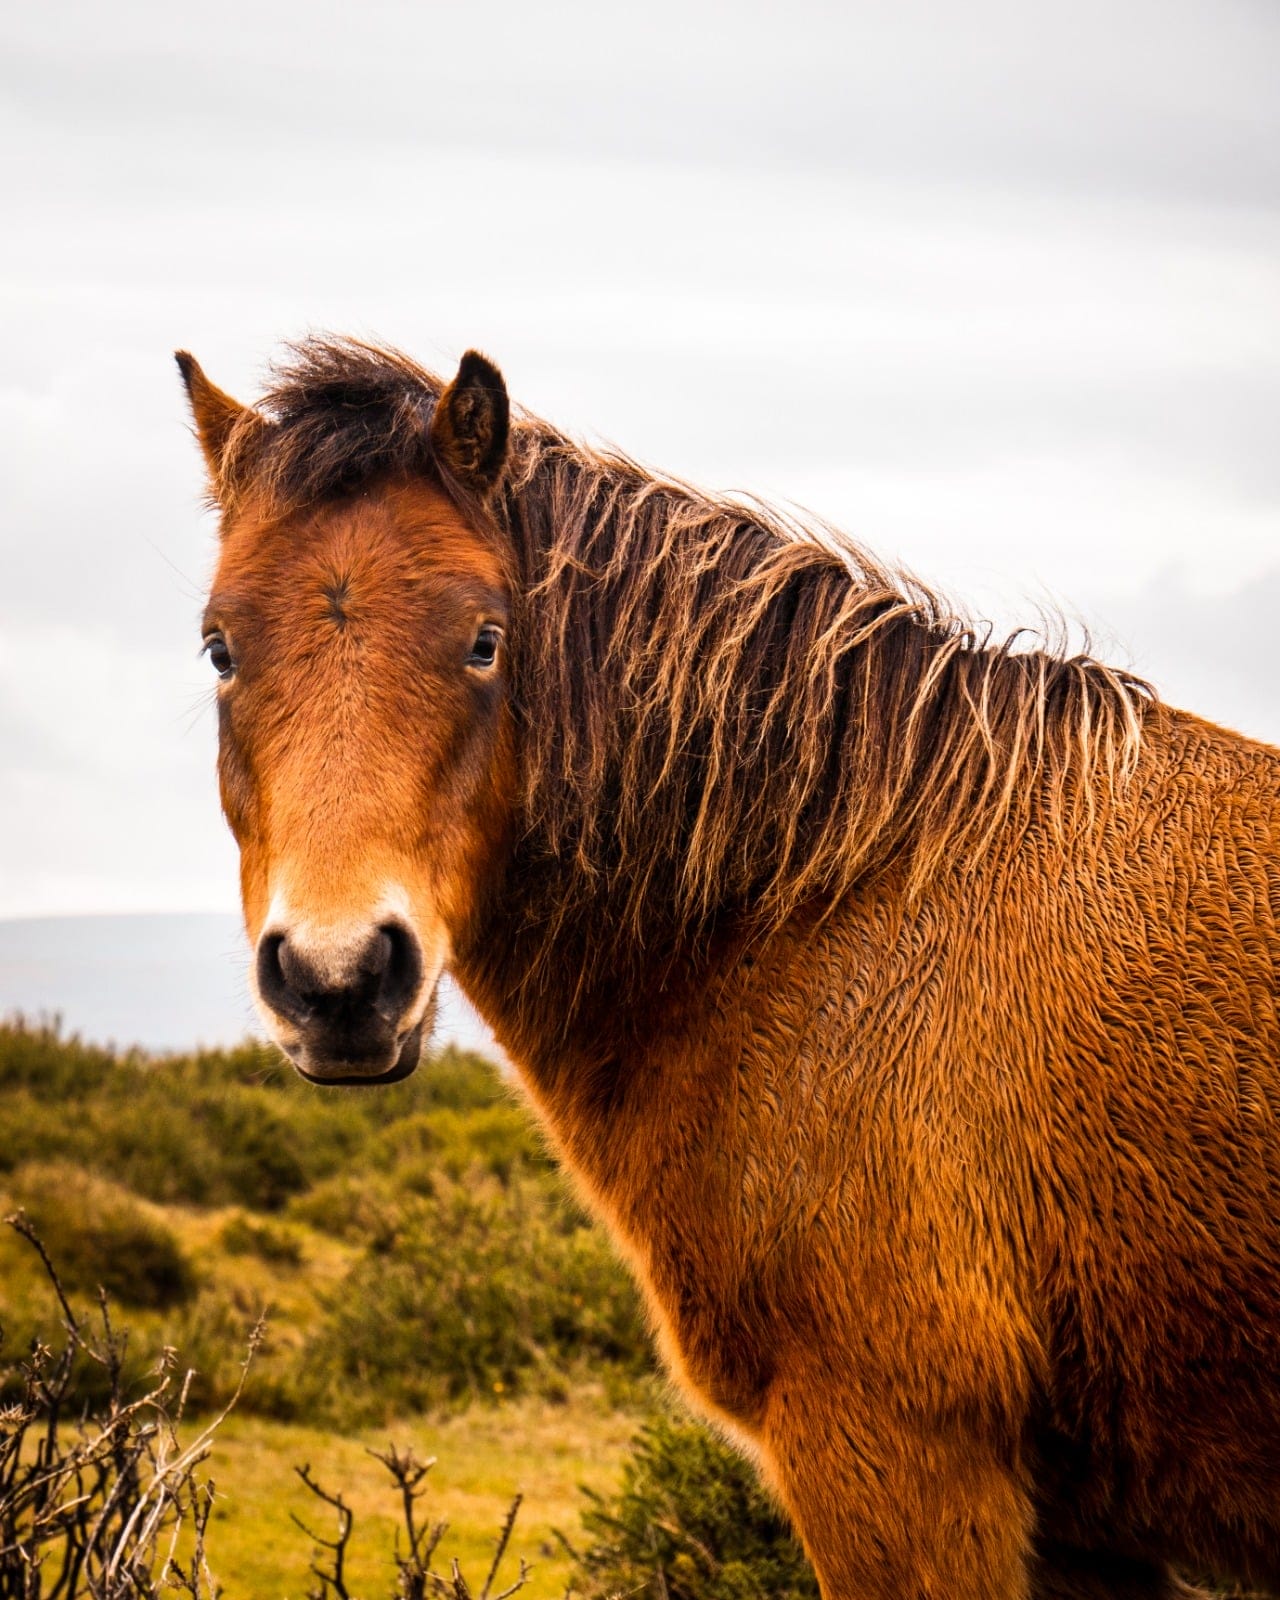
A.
x: 216, y: 417
x: 470, y: 424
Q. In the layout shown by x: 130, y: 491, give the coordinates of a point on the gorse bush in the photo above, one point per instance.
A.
x: 496, y: 1140
x: 356, y: 1208
x: 102, y: 1236
x: 40, y: 1059
x: 689, y: 1522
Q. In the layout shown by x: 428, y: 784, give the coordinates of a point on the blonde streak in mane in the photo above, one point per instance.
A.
x: 1040, y: 699
x: 1006, y: 737
x: 709, y: 839
x: 949, y: 811
x: 865, y: 638
x: 791, y: 683
x: 1086, y: 740
x: 1076, y: 758
x: 1008, y: 763
x: 922, y: 702
x: 679, y: 697
x: 1126, y: 693
x: 1000, y: 764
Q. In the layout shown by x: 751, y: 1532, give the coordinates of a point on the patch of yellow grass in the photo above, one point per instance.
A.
x: 484, y: 1456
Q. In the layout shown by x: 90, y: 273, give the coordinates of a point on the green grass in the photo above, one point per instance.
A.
x: 484, y: 1457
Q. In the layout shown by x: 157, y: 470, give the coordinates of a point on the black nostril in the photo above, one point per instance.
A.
x: 378, y: 954
x: 399, y: 968
x: 281, y: 983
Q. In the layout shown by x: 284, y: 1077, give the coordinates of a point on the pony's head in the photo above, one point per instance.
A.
x: 356, y: 625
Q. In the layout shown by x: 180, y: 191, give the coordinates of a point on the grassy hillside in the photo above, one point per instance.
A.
x: 425, y: 1275
x: 413, y: 1247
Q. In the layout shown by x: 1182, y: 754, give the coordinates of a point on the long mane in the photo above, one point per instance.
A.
x: 720, y: 706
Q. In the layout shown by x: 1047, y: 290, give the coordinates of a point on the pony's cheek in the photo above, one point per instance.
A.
x: 236, y: 787
x: 237, y: 805
x: 254, y: 890
x: 465, y: 865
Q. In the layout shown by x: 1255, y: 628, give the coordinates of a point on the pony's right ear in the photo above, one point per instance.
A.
x: 470, y: 424
x: 216, y: 417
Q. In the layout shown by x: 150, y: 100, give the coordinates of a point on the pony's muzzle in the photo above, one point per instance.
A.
x: 346, y: 1013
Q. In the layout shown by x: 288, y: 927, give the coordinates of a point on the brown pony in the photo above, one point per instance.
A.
x: 906, y: 1003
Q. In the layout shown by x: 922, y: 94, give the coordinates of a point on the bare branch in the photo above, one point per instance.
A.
x: 504, y: 1539
x: 333, y: 1581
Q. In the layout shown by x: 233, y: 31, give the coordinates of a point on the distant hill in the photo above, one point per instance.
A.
x: 165, y: 982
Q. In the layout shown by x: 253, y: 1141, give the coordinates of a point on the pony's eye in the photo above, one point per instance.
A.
x: 216, y: 649
x: 484, y: 652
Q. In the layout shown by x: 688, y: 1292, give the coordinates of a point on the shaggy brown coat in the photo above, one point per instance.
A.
x: 907, y: 1004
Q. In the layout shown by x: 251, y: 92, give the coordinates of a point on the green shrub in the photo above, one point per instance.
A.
x: 469, y: 1293
x: 36, y: 1056
x: 499, y: 1141
x: 354, y: 1209
x: 32, y: 1130
x: 264, y: 1152
x: 690, y: 1522
x: 137, y: 1137
x: 100, y: 1236
x: 269, y: 1241
x: 233, y: 1126
x: 459, y: 1079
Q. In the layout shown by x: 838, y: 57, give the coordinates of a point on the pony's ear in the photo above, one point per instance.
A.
x: 216, y: 415
x: 470, y: 424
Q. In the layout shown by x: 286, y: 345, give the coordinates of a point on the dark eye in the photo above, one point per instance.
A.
x: 216, y: 649
x: 484, y: 652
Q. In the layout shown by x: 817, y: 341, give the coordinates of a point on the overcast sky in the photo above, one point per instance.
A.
x: 995, y: 286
